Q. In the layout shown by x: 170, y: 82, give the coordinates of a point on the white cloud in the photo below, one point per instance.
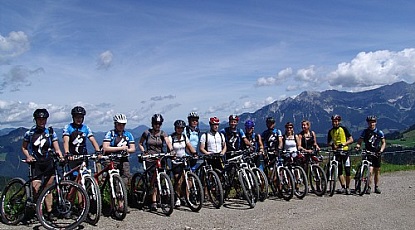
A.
x: 105, y: 60
x: 374, y: 69
x: 281, y: 76
x: 15, y: 44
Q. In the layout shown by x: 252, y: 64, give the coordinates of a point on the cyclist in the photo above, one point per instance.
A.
x: 272, y: 139
x: 155, y: 141
x: 120, y: 141
x: 339, y: 138
x: 308, y: 141
x: 290, y: 142
x: 181, y: 146
x: 234, y: 137
x: 213, y: 142
x: 36, y: 146
x: 75, y: 135
x: 192, y: 129
x: 374, y: 140
x: 255, y: 141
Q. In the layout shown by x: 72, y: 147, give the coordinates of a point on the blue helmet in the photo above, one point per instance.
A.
x: 249, y: 124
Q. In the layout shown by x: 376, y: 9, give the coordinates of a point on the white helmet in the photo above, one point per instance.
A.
x: 120, y: 118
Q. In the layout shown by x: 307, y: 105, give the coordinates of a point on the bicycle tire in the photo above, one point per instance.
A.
x: 332, y: 179
x: 318, y: 180
x: 119, y: 199
x: 249, y: 186
x: 138, y: 190
x: 300, y: 182
x: 70, y: 212
x: 13, y: 201
x: 364, y: 179
x: 214, y: 188
x: 285, y: 182
x: 194, y: 194
x: 262, y: 183
x: 94, y: 194
x: 166, y: 195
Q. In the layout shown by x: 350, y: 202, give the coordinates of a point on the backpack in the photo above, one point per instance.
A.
x: 187, y: 129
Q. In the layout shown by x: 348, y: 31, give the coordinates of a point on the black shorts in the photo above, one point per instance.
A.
x: 43, y: 168
x: 376, y: 161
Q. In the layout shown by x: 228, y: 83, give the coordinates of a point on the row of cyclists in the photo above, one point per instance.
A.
x: 188, y: 140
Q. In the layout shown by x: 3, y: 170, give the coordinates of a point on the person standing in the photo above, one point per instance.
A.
x: 374, y: 140
x: 339, y: 138
x: 192, y: 130
x: 256, y: 145
x: 213, y: 142
x: 37, y: 144
x: 234, y: 137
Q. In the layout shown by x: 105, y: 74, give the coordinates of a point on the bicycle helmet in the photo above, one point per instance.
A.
x: 233, y: 117
x: 179, y: 124
x: 120, y: 118
x: 249, y: 124
x: 41, y: 113
x: 289, y: 124
x: 336, y: 117
x: 78, y: 110
x: 157, y: 118
x: 193, y: 115
x: 270, y: 120
x: 214, y: 121
x: 371, y: 118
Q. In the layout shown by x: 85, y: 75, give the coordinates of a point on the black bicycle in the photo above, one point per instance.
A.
x: 66, y: 200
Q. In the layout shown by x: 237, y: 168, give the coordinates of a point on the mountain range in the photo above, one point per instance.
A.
x: 394, y: 105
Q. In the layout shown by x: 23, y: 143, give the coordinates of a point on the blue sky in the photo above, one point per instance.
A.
x: 174, y: 57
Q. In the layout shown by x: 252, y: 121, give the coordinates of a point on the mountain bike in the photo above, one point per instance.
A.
x: 153, y: 179
x: 299, y: 175
x: 332, y: 169
x: 362, y: 176
x: 238, y: 176
x: 191, y: 185
x: 86, y: 179
x: 68, y: 200
x: 110, y: 182
x: 259, y: 174
x: 210, y: 180
x: 280, y: 178
x: 316, y: 175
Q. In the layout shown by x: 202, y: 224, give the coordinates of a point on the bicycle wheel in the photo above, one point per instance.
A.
x: 332, y: 179
x: 285, y: 183
x: 94, y: 194
x: 67, y: 202
x: 363, y: 181
x: 13, y: 201
x: 262, y: 183
x: 301, y: 182
x: 194, y: 192
x: 165, y: 194
x: 138, y: 190
x: 214, y: 188
x: 249, y: 186
x: 317, y: 179
x: 119, y: 198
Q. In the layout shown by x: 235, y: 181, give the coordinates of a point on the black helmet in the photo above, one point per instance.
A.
x: 371, y: 118
x: 179, y: 124
x: 41, y: 113
x: 157, y: 118
x: 193, y: 115
x: 270, y: 120
x: 336, y: 117
x: 78, y: 110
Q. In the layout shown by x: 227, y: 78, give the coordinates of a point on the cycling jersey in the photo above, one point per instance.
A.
x: 154, y: 143
x: 233, y: 138
x: 253, y: 139
x: 40, y: 142
x: 213, y: 142
x: 372, y: 139
x: 338, y: 136
x: 179, y: 146
x: 77, y: 138
x: 117, y: 140
x: 270, y: 139
x: 193, y: 136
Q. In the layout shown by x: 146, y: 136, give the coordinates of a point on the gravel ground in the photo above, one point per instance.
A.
x: 393, y: 209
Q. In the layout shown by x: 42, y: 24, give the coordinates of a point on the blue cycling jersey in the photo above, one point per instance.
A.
x: 77, y: 138
x: 117, y: 140
x: 270, y: 139
x: 40, y: 141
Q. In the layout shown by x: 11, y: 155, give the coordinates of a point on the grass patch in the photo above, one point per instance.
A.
x: 385, y: 167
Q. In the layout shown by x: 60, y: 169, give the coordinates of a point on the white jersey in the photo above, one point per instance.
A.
x: 214, y: 141
x: 290, y: 145
x: 179, y: 146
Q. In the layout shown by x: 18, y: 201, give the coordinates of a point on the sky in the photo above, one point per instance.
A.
x: 173, y: 57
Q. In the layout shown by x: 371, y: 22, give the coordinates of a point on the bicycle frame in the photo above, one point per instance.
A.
x: 110, y: 170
